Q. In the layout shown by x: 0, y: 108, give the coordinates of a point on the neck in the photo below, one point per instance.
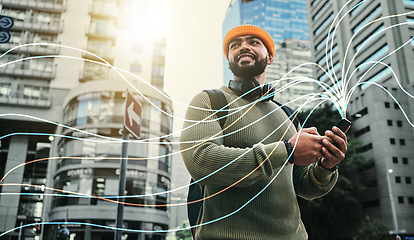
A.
x: 259, y: 78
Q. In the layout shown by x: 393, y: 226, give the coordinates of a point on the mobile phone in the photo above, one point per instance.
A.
x: 344, y: 125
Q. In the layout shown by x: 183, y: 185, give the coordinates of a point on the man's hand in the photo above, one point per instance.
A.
x: 307, y: 146
x: 334, y: 148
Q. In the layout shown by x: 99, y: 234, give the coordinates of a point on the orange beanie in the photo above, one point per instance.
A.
x: 249, y: 30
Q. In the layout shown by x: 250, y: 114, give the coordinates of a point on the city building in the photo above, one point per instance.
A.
x: 76, y: 86
x: 348, y: 39
x: 286, y: 22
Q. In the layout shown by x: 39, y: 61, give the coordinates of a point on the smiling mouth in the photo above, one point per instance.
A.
x: 245, y: 57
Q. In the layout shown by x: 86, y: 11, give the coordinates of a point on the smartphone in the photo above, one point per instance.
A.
x: 344, y: 125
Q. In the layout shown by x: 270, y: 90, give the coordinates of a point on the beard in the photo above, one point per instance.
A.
x: 250, y: 71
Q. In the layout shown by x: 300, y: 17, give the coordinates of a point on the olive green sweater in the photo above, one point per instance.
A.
x: 274, y: 213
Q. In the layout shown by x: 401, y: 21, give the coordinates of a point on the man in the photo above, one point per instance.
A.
x: 252, y: 153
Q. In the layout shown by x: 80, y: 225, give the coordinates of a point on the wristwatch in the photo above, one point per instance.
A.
x: 329, y: 169
x: 289, y: 150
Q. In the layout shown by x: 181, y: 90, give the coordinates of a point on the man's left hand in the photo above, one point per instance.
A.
x: 334, y: 147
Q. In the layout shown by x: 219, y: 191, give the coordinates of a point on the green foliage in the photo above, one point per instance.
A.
x: 371, y: 229
x: 324, y: 217
x: 186, y: 233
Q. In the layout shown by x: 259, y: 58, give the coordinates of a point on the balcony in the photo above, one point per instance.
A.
x: 103, y: 10
x: 93, y: 72
x: 34, y: 97
x: 42, y: 5
x: 108, y: 32
x: 28, y: 69
x: 33, y: 25
x: 31, y: 50
x: 103, y: 53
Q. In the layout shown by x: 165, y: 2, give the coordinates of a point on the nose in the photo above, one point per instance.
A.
x: 244, y: 45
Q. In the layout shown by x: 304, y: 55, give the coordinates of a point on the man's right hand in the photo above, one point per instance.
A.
x: 307, y: 145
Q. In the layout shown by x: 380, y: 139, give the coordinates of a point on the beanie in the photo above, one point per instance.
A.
x: 249, y: 30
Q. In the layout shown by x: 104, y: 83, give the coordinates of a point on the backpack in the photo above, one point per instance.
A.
x: 196, y: 191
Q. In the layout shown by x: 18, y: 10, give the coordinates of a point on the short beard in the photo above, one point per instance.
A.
x: 249, y: 71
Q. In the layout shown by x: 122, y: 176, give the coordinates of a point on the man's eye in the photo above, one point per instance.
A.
x: 234, y: 45
x: 255, y: 42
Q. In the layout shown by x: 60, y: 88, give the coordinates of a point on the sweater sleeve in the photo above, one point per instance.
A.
x: 212, y: 163
x: 313, y: 181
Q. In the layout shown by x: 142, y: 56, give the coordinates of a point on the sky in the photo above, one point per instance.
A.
x: 194, y: 49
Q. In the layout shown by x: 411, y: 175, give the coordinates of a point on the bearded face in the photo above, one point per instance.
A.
x: 248, y: 70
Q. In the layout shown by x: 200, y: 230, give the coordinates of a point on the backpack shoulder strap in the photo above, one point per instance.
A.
x: 218, y: 102
x: 289, y: 111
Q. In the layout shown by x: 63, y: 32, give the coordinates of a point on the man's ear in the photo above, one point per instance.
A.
x: 269, y: 59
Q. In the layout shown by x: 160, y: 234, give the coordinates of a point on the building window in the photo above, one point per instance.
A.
x: 394, y: 159
x: 365, y: 148
x: 397, y: 179
x: 362, y: 131
x: 324, y: 24
x: 399, y: 123
x: 367, y: 19
x: 392, y: 141
x: 402, y: 142
x: 136, y: 68
x: 363, y: 43
x: 401, y: 200
x: 389, y: 122
x: 411, y: 200
x: 408, y: 180
x: 409, y: 2
x: 387, y: 105
x: 396, y: 106
x: 405, y: 160
x: 374, y: 57
x: 376, y: 78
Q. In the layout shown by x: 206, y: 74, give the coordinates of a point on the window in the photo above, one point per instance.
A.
x: 324, y: 24
x: 377, y: 55
x: 356, y: 8
x: 409, y: 2
x: 399, y: 123
x: 411, y: 200
x: 408, y: 180
x: 136, y: 68
x: 396, y: 106
x: 365, y: 148
x: 392, y: 141
x: 405, y: 160
x: 387, y: 105
x: 367, y: 19
x: 357, y: 47
x: 401, y: 200
x: 402, y: 142
x: 394, y: 159
x: 389, y: 122
x: 362, y: 131
x: 397, y: 179
x: 320, y: 11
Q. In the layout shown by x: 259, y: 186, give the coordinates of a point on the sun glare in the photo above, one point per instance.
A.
x: 148, y: 18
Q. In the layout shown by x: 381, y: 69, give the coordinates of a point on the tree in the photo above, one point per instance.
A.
x: 186, y: 233
x: 371, y: 229
x: 324, y: 217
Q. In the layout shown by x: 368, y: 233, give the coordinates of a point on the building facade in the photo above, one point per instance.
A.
x: 286, y: 22
x: 76, y: 86
x: 379, y: 103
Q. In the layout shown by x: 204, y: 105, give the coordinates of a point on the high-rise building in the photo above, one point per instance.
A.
x: 286, y: 22
x: 367, y: 48
x: 81, y: 91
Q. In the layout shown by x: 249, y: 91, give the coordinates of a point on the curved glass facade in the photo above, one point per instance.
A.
x: 89, y: 165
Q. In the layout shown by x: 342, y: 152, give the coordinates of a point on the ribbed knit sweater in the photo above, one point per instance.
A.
x: 263, y: 204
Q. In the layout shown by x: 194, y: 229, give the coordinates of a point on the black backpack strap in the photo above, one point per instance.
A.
x: 218, y: 102
x: 289, y: 111
x: 195, y: 192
